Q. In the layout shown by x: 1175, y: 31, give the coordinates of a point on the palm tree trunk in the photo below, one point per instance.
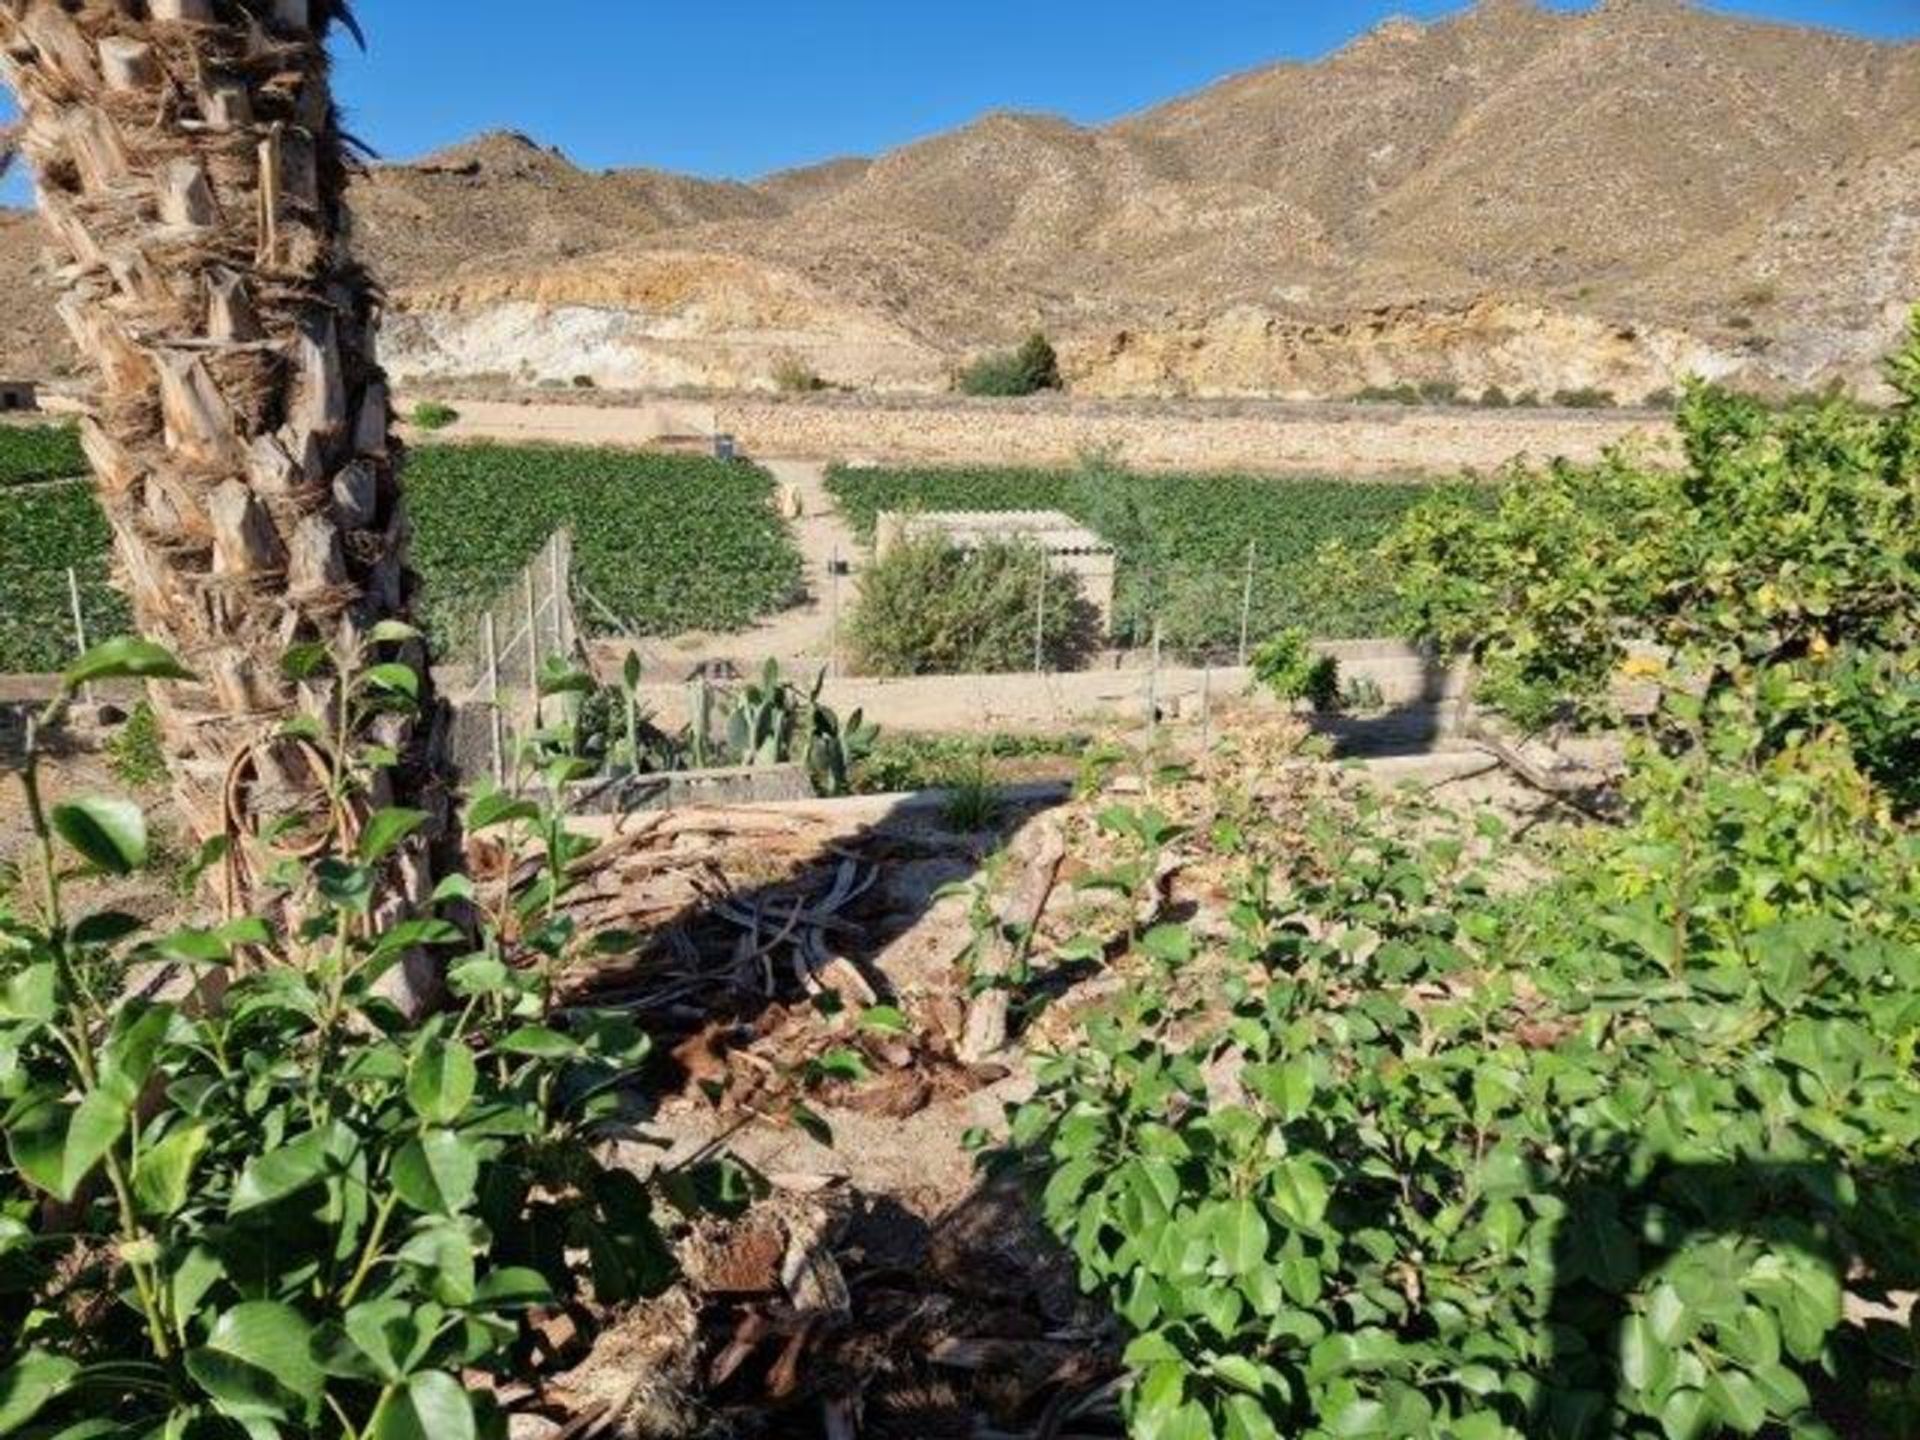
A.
x: 191, y: 173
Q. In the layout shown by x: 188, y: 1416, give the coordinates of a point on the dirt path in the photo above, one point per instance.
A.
x: 799, y: 637
x: 519, y: 423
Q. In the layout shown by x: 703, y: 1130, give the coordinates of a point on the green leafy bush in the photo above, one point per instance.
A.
x: 30, y: 454
x: 1779, y: 563
x: 1398, y: 1158
x: 1587, y: 397
x: 434, y: 415
x: 774, y: 722
x: 929, y: 607
x: 1288, y: 668
x: 1026, y: 371
x: 1605, y: 1149
x: 290, y: 1213
x: 793, y: 376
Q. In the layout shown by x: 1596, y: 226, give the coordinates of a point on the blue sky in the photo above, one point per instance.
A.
x: 741, y: 87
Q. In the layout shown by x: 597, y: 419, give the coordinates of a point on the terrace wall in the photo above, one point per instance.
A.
x: 1211, y: 436
x: 1353, y: 440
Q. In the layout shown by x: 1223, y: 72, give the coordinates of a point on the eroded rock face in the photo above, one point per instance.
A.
x: 654, y: 321
x: 1517, y: 349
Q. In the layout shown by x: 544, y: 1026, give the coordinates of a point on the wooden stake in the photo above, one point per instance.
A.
x: 1153, y: 686
x: 496, y: 725
x: 833, y: 613
x: 79, y: 625
x: 1246, y: 605
x: 556, y: 579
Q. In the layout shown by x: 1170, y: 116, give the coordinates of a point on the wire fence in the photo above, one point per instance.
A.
x: 526, y: 625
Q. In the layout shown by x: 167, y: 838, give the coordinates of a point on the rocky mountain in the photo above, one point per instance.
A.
x: 1515, y: 196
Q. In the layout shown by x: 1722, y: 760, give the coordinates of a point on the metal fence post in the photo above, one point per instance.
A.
x: 1206, y: 711
x: 533, y: 642
x: 1246, y: 604
x: 556, y: 566
x: 1153, y: 687
x: 496, y: 723
x: 1040, y: 620
x: 833, y: 614
x: 79, y: 625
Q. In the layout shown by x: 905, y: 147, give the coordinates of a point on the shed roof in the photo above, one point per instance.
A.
x: 1055, y: 531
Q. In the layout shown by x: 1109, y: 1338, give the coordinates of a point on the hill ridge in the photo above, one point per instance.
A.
x: 1511, y: 195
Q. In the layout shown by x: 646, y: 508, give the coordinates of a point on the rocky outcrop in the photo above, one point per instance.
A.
x: 1503, y: 346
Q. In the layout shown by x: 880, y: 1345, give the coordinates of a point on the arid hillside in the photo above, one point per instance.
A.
x: 1515, y: 197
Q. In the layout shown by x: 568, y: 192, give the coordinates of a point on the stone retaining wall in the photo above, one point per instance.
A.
x: 1353, y: 440
x: 1259, y: 436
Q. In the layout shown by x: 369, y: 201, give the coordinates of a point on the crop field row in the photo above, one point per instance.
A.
x: 33, y: 453
x: 42, y: 532
x: 668, y: 543
x: 1183, y: 540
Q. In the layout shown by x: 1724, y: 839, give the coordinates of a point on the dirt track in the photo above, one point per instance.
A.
x: 1259, y: 436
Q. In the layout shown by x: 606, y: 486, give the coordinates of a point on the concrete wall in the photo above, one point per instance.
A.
x: 979, y: 703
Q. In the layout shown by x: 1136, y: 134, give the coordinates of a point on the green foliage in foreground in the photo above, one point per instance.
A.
x: 1182, y: 540
x: 667, y: 542
x: 42, y: 532
x: 289, y: 1213
x: 1403, y: 1155
x: 1784, y: 560
x: 931, y: 608
x: 1596, y: 1161
x: 33, y: 453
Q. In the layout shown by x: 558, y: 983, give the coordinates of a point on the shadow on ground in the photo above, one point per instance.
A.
x: 876, y: 1275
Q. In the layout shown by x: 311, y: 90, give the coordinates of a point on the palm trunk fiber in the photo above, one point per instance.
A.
x: 191, y: 173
